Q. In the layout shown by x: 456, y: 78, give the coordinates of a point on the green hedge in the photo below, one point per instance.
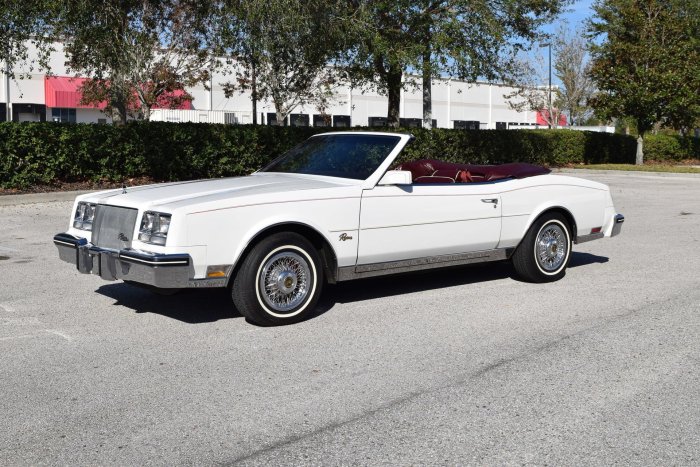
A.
x: 46, y: 153
x: 669, y: 148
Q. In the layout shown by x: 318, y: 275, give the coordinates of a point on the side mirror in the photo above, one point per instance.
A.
x: 396, y: 177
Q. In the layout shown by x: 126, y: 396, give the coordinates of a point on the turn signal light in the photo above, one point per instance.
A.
x: 219, y: 270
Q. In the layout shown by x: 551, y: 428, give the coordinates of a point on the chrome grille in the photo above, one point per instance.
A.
x: 113, y: 226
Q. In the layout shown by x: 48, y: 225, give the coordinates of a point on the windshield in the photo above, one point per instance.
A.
x: 348, y: 156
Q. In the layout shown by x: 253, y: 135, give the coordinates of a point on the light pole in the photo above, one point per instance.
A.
x: 549, y: 88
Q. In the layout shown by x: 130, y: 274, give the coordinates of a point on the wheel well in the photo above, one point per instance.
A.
x: 328, y: 258
x: 559, y: 210
x: 567, y: 215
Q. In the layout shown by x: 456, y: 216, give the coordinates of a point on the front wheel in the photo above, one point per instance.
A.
x: 544, y: 253
x: 279, y: 281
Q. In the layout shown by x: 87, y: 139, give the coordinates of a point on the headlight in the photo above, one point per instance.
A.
x: 154, y: 227
x: 84, y: 215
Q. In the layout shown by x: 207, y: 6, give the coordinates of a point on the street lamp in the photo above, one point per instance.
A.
x: 549, y: 89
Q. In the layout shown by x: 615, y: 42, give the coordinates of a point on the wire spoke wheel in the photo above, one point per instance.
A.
x: 551, y: 247
x: 284, y: 282
x: 544, y: 252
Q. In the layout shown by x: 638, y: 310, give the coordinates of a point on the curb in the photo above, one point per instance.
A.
x: 626, y: 173
x: 34, y: 198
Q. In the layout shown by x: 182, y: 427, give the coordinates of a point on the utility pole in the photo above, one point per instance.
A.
x: 549, y: 90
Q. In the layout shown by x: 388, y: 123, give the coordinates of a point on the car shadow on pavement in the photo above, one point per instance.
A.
x: 376, y: 287
x: 197, y: 306
x: 194, y: 306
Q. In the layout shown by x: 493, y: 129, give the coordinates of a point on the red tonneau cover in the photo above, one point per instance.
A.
x: 425, y: 170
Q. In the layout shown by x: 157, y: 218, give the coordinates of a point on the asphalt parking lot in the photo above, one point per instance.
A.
x: 460, y: 366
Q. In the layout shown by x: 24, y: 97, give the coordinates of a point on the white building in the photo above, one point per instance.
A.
x: 456, y: 104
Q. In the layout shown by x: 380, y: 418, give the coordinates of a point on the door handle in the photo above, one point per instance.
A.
x: 493, y: 201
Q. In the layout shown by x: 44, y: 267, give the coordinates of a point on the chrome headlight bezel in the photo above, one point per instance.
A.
x: 154, y: 227
x: 84, y: 215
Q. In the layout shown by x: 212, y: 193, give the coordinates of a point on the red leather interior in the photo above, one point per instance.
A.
x: 434, y: 179
x: 434, y: 171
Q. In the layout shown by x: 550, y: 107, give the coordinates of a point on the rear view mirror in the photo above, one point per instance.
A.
x: 396, y: 177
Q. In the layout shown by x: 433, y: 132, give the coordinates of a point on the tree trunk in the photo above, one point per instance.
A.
x: 146, y: 112
x: 640, y: 150
x: 254, y: 91
x: 393, y: 83
x: 427, y: 90
x: 280, y: 116
x: 119, y: 114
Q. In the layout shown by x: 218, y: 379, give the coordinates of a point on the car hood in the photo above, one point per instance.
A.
x: 227, y: 192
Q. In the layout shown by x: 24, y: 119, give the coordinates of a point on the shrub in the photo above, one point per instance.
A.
x: 46, y: 153
x: 666, y: 148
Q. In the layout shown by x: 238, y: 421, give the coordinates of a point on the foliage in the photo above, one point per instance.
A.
x: 468, y: 39
x: 45, y: 153
x: 284, y: 47
x: 24, y: 22
x: 647, y: 64
x: 139, y: 53
x: 671, y: 148
x: 531, y: 95
x: 572, y: 66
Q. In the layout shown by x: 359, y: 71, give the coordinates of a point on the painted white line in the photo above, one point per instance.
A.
x: 6, y: 307
x: 59, y: 333
x: 4, y: 248
x: 15, y: 337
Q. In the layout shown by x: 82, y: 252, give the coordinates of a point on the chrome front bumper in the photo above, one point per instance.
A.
x: 617, y: 226
x: 167, y: 271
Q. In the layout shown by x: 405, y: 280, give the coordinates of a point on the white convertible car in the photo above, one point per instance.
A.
x: 332, y: 209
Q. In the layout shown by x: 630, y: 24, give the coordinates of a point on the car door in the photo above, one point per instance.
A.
x: 401, y: 222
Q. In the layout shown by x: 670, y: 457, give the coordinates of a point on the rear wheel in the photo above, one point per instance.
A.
x: 544, y: 253
x: 279, y: 281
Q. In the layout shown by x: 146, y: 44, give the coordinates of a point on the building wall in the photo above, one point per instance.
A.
x: 451, y: 101
x: 91, y: 116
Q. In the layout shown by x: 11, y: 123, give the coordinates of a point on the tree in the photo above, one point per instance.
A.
x: 571, y: 67
x: 138, y: 53
x: 281, y: 50
x: 466, y: 39
x: 24, y: 22
x: 531, y: 95
x: 647, y: 63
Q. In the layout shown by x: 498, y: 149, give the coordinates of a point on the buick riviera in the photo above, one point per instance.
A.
x: 335, y: 208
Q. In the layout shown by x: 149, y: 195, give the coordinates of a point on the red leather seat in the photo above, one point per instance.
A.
x: 435, y: 171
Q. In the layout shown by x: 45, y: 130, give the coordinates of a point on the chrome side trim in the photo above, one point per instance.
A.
x: 429, y: 262
x: 588, y: 238
x: 206, y: 283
